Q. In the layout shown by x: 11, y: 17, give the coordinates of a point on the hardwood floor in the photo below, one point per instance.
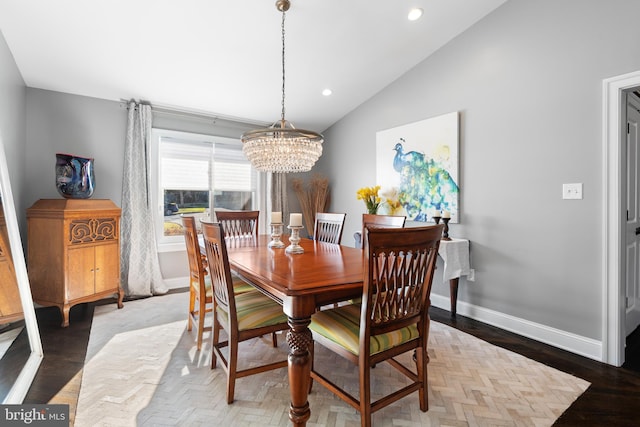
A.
x: 612, y: 399
x: 64, y: 350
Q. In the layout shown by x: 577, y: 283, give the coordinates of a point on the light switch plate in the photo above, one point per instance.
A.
x: 572, y: 191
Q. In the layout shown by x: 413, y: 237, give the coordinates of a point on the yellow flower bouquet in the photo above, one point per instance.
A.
x: 393, y: 201
x: 371, y: 198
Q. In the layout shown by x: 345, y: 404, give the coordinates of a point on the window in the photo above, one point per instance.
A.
x: 196, y: 174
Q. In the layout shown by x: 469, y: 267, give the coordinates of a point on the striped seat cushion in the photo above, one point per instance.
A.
x: 342, y: 326
x: 255, y: 311
x: 239, y: 286
x: 207, y: 286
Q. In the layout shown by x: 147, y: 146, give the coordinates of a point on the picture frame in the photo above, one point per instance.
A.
x: 419, y: 164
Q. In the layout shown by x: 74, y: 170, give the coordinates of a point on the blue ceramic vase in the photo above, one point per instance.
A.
x: 74, y: 176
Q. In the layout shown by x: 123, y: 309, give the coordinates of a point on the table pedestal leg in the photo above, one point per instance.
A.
x: 453, y: 287
x: 299, y: 339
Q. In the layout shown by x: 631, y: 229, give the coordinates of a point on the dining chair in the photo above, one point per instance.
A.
x: 243, y: 316
x: 392, y: 319
x: 374, y: 220
x: 238, y: 223
x: 200, y: 295
x: 328, y: 227
x: 391, y: 221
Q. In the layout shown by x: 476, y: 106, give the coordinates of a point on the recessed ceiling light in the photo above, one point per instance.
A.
x: 327, y: 92
x: 415, y: 14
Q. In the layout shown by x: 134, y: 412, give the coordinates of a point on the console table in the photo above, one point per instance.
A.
x: 455, y: 254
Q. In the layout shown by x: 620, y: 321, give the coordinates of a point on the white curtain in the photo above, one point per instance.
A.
x: 140, y: 268
x: 279, y: 198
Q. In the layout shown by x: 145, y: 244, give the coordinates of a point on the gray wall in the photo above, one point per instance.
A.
x: 527, y: 81
x: 87, y: 127
x: 12, y: 124
x: 90, y: 127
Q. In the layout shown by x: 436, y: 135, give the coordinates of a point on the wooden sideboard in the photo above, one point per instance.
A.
x: 73, y: 252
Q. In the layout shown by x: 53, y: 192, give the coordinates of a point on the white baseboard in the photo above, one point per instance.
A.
x: 573, y: 343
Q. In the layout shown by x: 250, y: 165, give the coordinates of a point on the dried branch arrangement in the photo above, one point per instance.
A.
x: 313, y: 198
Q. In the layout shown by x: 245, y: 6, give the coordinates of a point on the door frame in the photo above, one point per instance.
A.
x: 613, y: 309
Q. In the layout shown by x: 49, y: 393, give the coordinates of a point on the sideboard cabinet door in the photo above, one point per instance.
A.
x: 73, y: 252
x: 107, y: 267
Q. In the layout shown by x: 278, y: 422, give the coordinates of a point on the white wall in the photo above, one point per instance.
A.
x: 527, y: 81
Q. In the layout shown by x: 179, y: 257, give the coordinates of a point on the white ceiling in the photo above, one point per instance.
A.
x: 224, y: 57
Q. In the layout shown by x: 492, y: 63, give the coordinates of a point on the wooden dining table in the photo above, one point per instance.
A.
x: 324, y: 274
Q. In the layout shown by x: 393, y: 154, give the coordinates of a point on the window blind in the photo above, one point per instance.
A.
x: 188, y: 165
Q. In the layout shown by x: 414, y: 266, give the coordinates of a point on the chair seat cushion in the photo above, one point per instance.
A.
x: 255, y: 311
x: 342, y: 326
x: 207, y: 287
x: 239, y: 286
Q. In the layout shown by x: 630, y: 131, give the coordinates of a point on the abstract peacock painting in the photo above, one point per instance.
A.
x: 421, y: 160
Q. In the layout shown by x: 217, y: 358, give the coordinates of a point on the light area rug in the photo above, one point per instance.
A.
x: 142, y: 369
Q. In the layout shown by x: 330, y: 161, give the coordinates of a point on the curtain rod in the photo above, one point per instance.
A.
x: 177, y: 111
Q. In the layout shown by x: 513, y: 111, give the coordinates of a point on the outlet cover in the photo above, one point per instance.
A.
x: 572, y: 191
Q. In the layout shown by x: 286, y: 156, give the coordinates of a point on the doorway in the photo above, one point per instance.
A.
x: 614, y: 242
x: 631, y: 202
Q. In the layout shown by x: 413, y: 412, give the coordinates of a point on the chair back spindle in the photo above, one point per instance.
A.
x: 199, y: 298
x: 197, y: 263
x: 238, y: 223
x: 219, y: 270
x: 328, y: 227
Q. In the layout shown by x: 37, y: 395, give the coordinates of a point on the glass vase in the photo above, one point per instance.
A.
x: 74, y: 176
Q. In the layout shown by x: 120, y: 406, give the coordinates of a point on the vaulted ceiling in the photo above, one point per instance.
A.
x: 224, y: 57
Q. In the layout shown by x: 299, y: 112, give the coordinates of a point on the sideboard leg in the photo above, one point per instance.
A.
x: 64, y: 310
x: 120, y: 297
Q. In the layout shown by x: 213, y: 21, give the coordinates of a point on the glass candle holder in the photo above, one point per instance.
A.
x: 276, y: 234
x: 294, y: 239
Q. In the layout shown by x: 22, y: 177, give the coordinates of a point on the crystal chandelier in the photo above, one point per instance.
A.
x: 282, y: 147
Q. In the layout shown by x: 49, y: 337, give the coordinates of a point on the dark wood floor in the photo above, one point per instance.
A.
x: 613, y: 399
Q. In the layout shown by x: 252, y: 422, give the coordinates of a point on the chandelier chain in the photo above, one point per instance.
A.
x: 283, y: 78
x: 282, y: 148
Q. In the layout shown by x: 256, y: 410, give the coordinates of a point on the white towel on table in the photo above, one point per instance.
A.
x: 455, y: 253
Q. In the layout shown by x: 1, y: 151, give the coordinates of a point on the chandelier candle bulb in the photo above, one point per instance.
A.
x: 295, y: 220
x: 276, y: 217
